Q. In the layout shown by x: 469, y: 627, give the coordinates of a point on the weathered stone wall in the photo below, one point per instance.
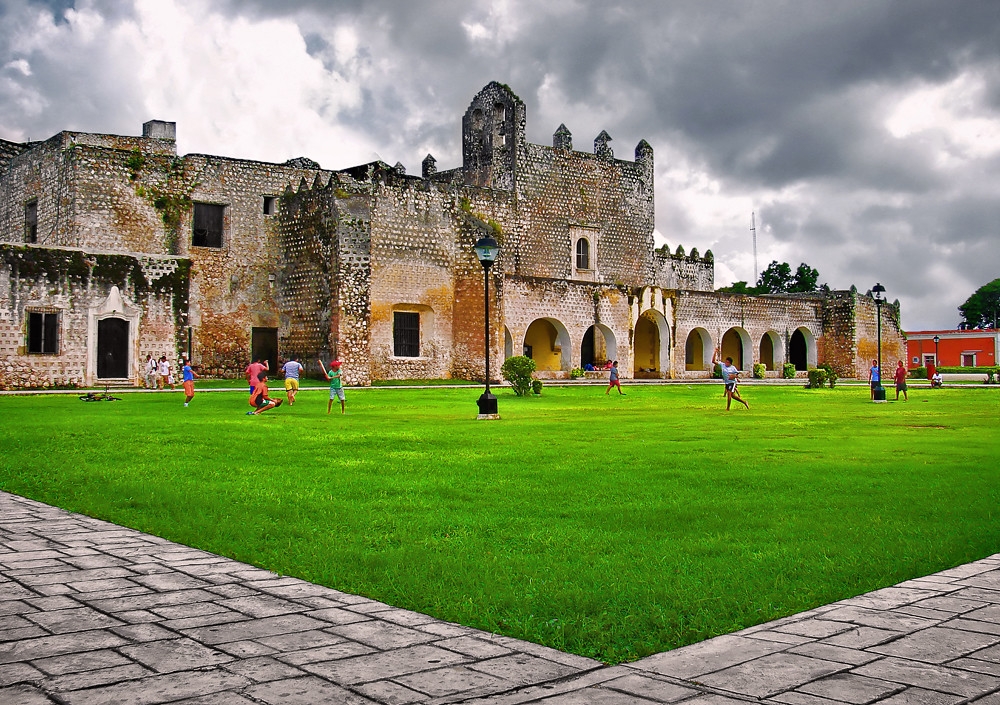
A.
x: 716, y: 313
x: 866, y: 326
x: 73, y: 284
x: 572, y: 307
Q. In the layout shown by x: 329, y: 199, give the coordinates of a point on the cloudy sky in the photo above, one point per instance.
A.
x: 865, y: 135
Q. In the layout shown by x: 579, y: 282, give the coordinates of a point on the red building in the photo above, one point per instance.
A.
x: 953, y: 348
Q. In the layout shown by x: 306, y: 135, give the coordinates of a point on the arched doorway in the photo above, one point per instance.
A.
x: 112, y: 348
x: 651, y: 345
x: 698, y: 350
x: 547, y: 343
x: 770, y: 350
x: 598, y: 346
x: 735, y: 344
x: 802, y: 348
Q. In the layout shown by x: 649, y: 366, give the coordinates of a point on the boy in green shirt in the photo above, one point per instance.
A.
x: 336, y: 386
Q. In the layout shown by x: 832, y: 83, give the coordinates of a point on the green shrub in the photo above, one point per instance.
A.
x: 577, y: 373
x: 517, y: 370
x: 759, y: 370
x: 816, y: 378
x: 831, y: 374
x: 918, y: 373
x: 536, y: 386
x: 788, y: 371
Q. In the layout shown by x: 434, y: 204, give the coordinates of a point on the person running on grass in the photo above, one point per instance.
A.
x: 613, y: 380
x: 336, y: 384
x: 187, y: 377
x: 292, y: 369
x: 730, y: 377
x: 259, y: 399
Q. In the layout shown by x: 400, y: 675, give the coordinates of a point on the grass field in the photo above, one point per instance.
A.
x: 612, y: 527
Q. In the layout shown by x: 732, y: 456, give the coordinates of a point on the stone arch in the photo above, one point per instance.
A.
x: 771, y: 352
x: 651, y: 345
x: 596, y: 349
x: 736, y: 344
x: 547, y: 343
x: 698, y: 350
x: 802, y: 348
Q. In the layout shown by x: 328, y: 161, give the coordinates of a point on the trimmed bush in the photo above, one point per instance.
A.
x: 816, y: 378
x: 536, y: 386
x: 788, y: 371
x: 831, y: 374
x: 517, y: 370
x: 759, y: 370
x: 576, y: 373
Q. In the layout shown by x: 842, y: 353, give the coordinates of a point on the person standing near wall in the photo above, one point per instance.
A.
x: 291, y: 370
x: 150, y: 371
x: 874, y: 378
x: 164, y: 372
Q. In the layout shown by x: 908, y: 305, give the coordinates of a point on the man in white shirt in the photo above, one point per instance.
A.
x: 730, y: 377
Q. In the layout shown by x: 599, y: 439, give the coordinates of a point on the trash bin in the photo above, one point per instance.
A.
x: 880, y: 393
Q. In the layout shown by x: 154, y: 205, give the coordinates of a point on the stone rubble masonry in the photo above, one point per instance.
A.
x: 327, y: 258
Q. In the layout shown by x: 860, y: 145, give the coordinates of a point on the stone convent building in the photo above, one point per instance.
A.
x: 114, y: 248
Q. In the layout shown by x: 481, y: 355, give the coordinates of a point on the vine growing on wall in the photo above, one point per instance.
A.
x: 170, y: 195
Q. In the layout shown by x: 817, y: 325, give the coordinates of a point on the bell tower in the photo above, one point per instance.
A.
x: 493, y: 137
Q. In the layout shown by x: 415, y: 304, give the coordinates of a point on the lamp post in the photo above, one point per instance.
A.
x: 487, y: 250
x: 937, y: 339
x: 878, y: 290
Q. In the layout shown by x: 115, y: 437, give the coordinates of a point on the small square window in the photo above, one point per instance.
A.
x: 31, y: 221
x: 208, y: 225
x: 43, y: 333
x: 406, y: 334
x: 269, y: 205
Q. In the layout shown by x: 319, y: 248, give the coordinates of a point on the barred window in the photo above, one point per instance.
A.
x: 43, y: 333
x: 406, y: 334
x: 582, y: 253
x: 208, y: 223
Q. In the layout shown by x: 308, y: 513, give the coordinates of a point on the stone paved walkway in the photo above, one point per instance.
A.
x: 95, y: 614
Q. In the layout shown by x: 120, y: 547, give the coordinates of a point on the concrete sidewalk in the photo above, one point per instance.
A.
x: 95, y: 614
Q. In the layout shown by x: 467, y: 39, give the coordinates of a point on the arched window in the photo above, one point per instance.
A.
x: 582, y: 253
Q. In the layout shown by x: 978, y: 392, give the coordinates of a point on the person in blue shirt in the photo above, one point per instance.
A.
x: 188, y: 379
x: 874, y: 378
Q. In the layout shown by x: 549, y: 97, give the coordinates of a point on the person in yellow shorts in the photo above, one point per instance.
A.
x: 292, y: 369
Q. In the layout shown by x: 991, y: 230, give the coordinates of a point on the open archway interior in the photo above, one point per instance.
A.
x: 696, y: 350
x: 597, y: 347
x: 766, y: 352
x: 646, y: 346
x: 544, y: 343
x: 798, y: 351
x: 732, y: 346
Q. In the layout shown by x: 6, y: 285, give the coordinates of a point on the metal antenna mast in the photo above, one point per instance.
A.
x: 753, y: 231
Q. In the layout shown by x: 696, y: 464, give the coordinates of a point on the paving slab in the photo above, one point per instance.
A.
x: 96, y: 614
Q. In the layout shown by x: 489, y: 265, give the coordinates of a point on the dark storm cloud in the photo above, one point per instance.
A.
x: 778, y: 103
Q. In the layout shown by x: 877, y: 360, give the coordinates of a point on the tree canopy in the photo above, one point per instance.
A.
x: 778, y: 278
x: 982, y: 309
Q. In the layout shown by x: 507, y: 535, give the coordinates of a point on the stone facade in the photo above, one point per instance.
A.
x: 115, y: 247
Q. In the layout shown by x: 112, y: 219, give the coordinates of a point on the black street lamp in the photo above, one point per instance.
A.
x: 878, y: 290
x: 487, y: 250
x: 937, y: 339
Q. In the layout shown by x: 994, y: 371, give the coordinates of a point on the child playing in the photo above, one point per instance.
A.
x: 259, y: 399
x: 336, y: 386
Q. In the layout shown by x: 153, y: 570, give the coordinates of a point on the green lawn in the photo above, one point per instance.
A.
x: 612, y: 527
